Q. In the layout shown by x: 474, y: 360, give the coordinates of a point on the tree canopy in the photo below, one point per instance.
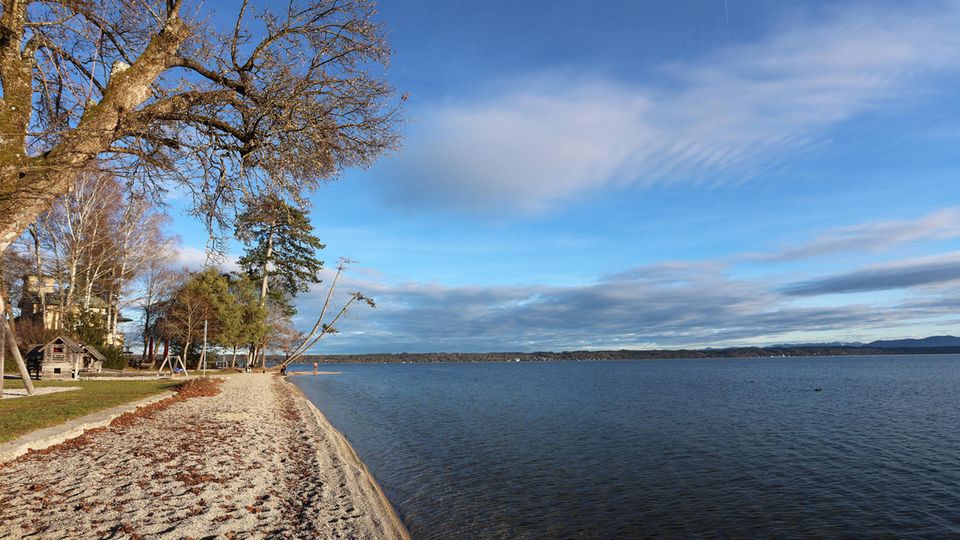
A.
x: 281, y: 249
x: 157, y: 93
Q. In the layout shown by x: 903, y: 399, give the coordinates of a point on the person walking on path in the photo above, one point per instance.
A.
x: 315, y: 366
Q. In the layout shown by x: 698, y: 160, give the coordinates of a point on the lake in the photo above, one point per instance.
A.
x: 824, y: 446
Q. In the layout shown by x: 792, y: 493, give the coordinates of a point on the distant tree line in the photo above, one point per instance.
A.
x: 660, y: 354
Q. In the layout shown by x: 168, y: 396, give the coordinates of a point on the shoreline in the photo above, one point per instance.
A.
x: 257, y: 460
x: 852, y: 357
x: 620, y: 355
x: 344, y: 444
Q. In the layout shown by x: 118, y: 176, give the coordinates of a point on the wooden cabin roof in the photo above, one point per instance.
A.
x: 36, y: 353
x: 94, y: 352
x: 69, y: 342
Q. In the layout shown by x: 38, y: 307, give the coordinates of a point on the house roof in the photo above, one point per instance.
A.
x: 36, y: 352
x: 77, y: 347
x: 53, y: 300
x: 94, y: 352
x: 69, y: 342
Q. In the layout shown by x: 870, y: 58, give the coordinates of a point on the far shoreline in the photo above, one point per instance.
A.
x: 621, y: 355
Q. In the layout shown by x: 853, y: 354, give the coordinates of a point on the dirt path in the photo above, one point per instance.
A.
x: 255, y: 461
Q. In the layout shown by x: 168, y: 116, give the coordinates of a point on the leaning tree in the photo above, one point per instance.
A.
x: 159, y: 94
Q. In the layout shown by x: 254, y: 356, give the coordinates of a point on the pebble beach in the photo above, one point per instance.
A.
x: 256, y: 460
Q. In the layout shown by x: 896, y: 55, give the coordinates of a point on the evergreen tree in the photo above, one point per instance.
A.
x: 246, y: 323
x: 281, y: 250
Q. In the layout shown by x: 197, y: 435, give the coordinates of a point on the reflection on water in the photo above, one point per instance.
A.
x: 667, y: 448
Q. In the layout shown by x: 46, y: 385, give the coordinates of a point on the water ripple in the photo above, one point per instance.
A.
x: 679, y: 448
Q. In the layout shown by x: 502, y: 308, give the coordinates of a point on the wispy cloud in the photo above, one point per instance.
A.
x: 899, y: 275
x: 194, y: 258
x: 872, y: 237
x: 667, y: 304
x: 727, y: 117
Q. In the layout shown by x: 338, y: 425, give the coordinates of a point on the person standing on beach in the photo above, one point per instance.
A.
x: 315, y: 366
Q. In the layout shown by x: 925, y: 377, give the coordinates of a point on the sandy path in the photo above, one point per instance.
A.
x: 255, y: 461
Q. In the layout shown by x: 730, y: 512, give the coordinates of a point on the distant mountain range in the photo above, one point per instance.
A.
x: 932, y: 341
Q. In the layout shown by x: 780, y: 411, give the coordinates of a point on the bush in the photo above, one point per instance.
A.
x: 115, y: 358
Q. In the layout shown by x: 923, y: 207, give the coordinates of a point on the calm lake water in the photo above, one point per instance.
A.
x: 676, y: 448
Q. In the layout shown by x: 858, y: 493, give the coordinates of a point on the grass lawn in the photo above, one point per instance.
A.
x: 23, y: 415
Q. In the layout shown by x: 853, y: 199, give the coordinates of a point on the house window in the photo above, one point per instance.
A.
x: 56, y: 370
x: 58, y: 349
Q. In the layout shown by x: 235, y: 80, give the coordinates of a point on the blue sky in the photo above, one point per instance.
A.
x: 654, y: 174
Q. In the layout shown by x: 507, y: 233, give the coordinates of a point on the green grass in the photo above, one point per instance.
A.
x: 9, y: 365
x: 23, y: 415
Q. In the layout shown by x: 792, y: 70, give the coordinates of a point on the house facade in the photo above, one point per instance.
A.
x: 63, y: 358
x: 41, y: 304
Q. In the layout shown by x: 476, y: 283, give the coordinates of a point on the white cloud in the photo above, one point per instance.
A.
x: 194, y: 258
x: 700, y: 305
x: 872, y: 237
x: 726, y: 117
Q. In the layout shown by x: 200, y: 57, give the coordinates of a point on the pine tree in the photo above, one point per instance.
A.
x: 281, y: 250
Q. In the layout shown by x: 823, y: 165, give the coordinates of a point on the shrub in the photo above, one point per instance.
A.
x: 115, y: 358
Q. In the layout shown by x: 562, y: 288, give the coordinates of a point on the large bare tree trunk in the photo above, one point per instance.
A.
x: 29, y: 184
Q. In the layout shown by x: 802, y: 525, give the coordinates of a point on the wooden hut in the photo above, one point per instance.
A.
x: 63, y: 358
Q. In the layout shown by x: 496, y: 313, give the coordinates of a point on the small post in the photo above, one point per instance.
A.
x: 3, y: 354
x: 12, y: 344
x: 203, y: 354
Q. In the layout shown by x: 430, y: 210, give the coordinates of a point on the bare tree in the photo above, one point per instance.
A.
x: 86, y: 219
x: 93, y: 243
x: 304, y: 342
x: 183, y: 315
x: 157, y: 285
x: 141, y: 248
x: 277, y: 103
x: 280, y: 335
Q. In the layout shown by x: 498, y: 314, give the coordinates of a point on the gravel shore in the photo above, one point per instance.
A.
x: 255, y: 461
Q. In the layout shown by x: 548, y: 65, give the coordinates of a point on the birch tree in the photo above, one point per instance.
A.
x: 94, y: 242
x: 157, y: 286
x: 141, y: 247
